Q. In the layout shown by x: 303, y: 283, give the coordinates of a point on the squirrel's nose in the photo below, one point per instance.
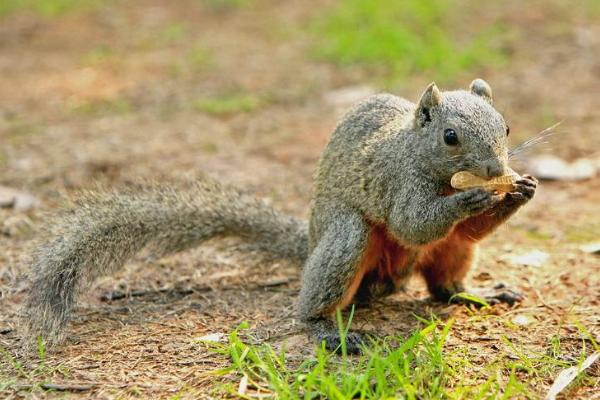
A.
x: 491, y: 169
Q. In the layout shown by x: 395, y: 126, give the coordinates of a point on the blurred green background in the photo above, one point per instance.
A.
x: 264, y: 75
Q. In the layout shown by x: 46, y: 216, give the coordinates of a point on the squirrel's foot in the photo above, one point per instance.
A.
x: 333, y: 341
x: 324, y: 330
x: 458, y: 295
x: 371, y: 290
x: 496, y: 295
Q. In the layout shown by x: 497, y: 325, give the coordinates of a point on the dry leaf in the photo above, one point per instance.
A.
x: 521, y: 320
x: 213, y: 337
x: 535, y: 258
x: 243, y: 387
x: 567, y: 376
x: 593, y: 248
x: 550, y: 167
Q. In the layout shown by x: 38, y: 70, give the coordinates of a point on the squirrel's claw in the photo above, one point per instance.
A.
x: 475, y: 201
x: 498, y: 294
x: 530, y: 178
x: 524, y: 190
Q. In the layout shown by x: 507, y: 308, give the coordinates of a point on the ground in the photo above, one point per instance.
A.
x: 112, y: 93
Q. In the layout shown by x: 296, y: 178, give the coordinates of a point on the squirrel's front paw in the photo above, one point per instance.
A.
x: 498, y: 294
x: 475, y: 201
x: 523, y: 192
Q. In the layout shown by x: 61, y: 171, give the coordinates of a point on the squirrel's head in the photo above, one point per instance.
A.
x: 462, y: 131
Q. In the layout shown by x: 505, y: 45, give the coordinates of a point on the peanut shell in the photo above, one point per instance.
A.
x: 464, y: 180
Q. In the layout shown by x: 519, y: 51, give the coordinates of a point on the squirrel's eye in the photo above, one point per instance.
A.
x: 507, y: 130
x: 450, y: 137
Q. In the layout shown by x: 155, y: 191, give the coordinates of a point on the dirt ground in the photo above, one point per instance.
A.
x: 110, y: 97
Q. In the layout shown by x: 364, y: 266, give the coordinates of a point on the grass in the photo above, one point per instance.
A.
x: 229, y: 104
x: 173, y: 32
x: 98, y: 55
x: 47, y: 8
x: 13, y: 372
x: 18, y: 130
x: 404, y: 37
x: 197, y: 57
x: 101, y: 107
x: 583, y: 232
x: 195, y: 60
x: 420, y: 366
x: 384, y: 371
x: 225, y: 5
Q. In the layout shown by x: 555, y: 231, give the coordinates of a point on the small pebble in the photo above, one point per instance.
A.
x: 535, y: 258
x: 548, y: 167
x: 17, y: 200
x: 593, y: 248
x: 521, y: 320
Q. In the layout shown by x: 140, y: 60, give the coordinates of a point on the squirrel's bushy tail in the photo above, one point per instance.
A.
x: 105, y: 230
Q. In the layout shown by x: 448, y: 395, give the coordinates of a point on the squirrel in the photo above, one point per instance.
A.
x: 382, y: 209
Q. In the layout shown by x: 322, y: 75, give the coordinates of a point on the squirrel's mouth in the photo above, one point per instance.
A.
x: 485, y: 168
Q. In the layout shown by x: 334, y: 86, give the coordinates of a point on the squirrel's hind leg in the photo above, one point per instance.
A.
x: 393, y: 266
x: 373, y: 288
x: 332, y: 275
x: 444, y: 266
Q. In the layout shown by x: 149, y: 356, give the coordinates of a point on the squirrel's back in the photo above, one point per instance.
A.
x: 347, y: 170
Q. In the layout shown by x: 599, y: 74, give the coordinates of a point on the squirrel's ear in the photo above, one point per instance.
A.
x: 429, y: 99
x: 479, y: 87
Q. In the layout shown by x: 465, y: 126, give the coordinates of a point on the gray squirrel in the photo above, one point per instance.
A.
x: 382, y: 209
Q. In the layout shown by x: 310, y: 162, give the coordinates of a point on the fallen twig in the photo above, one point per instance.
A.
x: 58, y: 387
x: 274, y: 282
x: 118, y: 295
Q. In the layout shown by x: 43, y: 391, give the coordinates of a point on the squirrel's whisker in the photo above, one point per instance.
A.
x: 539, y: 139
